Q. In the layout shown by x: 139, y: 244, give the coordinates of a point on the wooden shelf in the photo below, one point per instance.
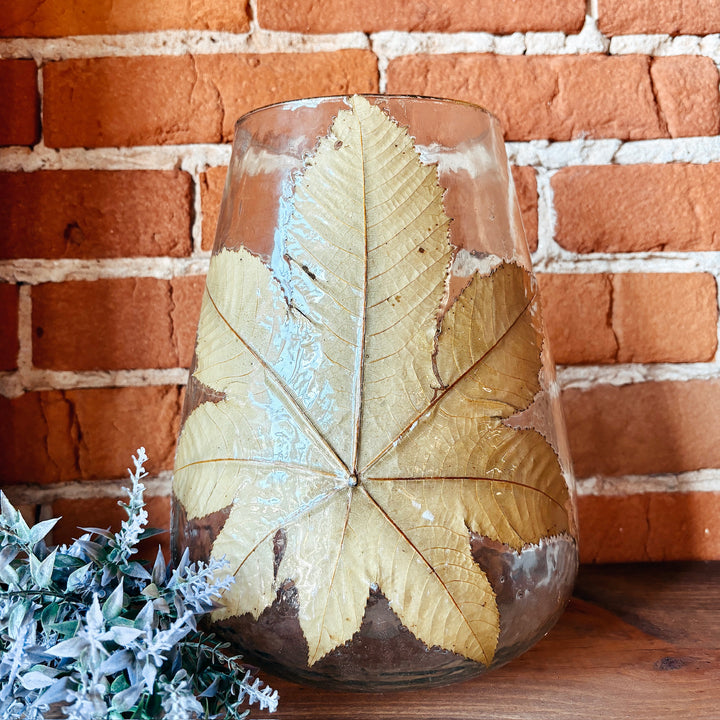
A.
x: 637, y: 642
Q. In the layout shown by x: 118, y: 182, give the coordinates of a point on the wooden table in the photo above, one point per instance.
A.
x: 637, y: 642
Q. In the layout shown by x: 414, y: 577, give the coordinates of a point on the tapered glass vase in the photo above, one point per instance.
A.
x: 371, y: 435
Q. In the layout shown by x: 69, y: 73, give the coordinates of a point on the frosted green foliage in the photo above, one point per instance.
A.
x: 87, y: 627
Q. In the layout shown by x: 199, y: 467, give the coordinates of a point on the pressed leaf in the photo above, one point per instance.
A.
x: 356, y: 418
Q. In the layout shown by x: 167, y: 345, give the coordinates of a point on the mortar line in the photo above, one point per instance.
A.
x: 28, y: 493
x: 14, y: 384
x: 586, y: 377
x: 196, y: 227
x: 391, y: 43
x: 36, y: 271
x: 705, y: 480
x: 535, y: 153
x: 547, y: 216
x: 25, y: 334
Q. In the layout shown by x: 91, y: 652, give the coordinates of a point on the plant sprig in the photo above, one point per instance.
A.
x: 86, y: 626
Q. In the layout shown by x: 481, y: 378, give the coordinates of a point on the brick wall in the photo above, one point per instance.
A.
x: 114, y: 131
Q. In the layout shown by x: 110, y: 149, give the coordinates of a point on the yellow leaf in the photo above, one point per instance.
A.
x: 357, y: 420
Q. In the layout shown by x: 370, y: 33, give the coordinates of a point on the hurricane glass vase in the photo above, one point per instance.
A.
x: 371, y: 434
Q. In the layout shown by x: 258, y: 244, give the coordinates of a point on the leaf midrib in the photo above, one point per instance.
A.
x: 362, y: 325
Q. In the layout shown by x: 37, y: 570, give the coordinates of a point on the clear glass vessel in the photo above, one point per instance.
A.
x: 371, y: 434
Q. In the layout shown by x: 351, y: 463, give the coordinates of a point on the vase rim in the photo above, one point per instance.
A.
x: 318, y: 99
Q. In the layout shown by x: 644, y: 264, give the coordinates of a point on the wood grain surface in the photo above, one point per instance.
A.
x: 637, y: 642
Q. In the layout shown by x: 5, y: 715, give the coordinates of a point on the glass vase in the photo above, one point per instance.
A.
x: 371, y: 436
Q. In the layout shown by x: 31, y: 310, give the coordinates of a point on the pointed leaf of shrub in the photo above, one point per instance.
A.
x: 41, y: 529
x: 48, y: 615
x: 388, y: 443
x: 122, y: 635
x: 57, y: 692
x: 77, y: 577
x: 66, y: 629
x: 125, y: 699
x: 7, y: 555
x: 112, y: 607
x: 159, y: 568
x: 136, y: 570
x: 68, y: 648
x: 7, y: 508
x: 102, y: 532
x: 17, y: 617
x: 35, y: 680
x: 117, y: 662
x: 44, y: 571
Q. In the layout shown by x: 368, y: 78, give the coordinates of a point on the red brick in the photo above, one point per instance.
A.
x: 687, y: 98
x: 653, y: 526
x: 56, y: 18
x: 185, y: 99
x: 563, y: 97
x: 18, y: 89
x: 186, y: 296
x: 645, y: 428
x: 636, y: 208
x: 104, y: 512
x: 8, y: 326
x: 625, y: 317
x: 368, y: 16
x: 526, y: 189
x: 665, y: 317
x: 212, y: 183
x: 577, y: 314
x: 94, y: 213
x: 115, y: 323
x: 613, y: 529
x: 674, y: 17
x: 58, y: 436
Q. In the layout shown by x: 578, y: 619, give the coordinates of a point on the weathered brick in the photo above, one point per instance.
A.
x: 94, y: 213
x: 526, y: 189
x: 185, y: 99
x: 57, y: 436
x: 577, y: 314
x: 8, y: 326
x: 674, y: 17
x: 212, y: 182
x: 420, y: 16
x: 115, y: 323
x: 56, y: 18
x: 625, y: 317
x: 566, y: 97
x: 18, y: 89
x: 104, y: 512
x: 687, y: 99
x: 665, y: 317
x: 186, y: 297
x: 645, y: 428
x: 651, y: 526
x: 636, y: 208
